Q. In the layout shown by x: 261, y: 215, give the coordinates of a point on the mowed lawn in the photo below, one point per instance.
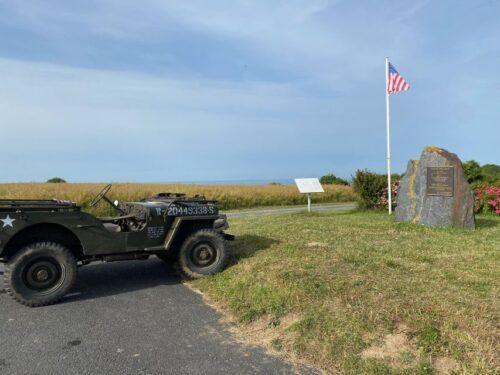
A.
x: 357, y: 293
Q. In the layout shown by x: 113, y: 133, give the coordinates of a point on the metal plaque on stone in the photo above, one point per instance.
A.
x: 440, y: 181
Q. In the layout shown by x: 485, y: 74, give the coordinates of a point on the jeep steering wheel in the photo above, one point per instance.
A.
x: 102, y: 195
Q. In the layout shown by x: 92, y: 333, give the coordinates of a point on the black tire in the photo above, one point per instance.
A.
x: 203, y: 253
x: 40, y: 274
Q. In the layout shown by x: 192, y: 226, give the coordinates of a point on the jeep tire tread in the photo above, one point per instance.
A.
x: 203, y: 253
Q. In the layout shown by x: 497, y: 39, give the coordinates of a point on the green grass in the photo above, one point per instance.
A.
x: 336, y: 289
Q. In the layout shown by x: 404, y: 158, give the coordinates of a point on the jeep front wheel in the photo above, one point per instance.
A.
x: 203, y: 253
x: 40, y: 274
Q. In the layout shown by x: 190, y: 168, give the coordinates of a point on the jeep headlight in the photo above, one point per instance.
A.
x: 221, y: 223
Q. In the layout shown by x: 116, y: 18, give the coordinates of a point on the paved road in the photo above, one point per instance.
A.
x: 274, y: 211
x: 126, y: 318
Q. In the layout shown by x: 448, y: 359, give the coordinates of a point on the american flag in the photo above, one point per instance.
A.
x: 395, y: 81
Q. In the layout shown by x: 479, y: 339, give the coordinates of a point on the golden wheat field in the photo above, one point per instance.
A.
x: 228, y: 196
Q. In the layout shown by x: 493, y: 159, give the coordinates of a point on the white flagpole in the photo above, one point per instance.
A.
x: 389, y: 190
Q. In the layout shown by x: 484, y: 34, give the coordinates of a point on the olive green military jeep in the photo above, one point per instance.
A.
x: 42, y: 242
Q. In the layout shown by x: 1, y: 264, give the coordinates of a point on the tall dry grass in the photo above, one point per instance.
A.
x: 229, y: 196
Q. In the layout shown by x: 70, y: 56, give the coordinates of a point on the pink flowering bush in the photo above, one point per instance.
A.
x: 487, y: 199
x: 384, y: 199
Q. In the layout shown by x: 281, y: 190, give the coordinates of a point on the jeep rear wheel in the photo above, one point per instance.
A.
x: 40, y: 274
x: 203, y: 253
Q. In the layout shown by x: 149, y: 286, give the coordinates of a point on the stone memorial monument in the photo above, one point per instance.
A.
x: 434, y: 192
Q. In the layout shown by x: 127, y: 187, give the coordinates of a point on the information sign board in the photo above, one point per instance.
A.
x: 309, y: 185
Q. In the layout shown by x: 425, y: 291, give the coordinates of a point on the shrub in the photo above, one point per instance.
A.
x: 472, y: 170
x: 478, y: 175
x: 491, y: 174
x: 331, y: 179
x: 371, y: 189
x: 487, y: 199
x: 56, y: 180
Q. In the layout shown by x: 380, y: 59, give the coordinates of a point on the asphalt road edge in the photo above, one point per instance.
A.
x: 241, y: 336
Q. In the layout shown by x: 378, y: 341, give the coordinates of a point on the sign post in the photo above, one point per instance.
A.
x: 309, y: 186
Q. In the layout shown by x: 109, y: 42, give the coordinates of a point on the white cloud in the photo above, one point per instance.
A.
x: 52, y: 115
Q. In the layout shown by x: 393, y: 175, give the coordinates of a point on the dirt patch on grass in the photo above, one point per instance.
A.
x: 392, y: 347
x: 396, y: 349
x: 268, y: 331
x: 316, y: 244
x: 445, y: 366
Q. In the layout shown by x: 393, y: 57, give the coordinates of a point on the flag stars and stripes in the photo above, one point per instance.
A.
x: 395, y: 81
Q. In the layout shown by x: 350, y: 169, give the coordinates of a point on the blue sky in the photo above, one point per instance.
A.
x: 117, y: 90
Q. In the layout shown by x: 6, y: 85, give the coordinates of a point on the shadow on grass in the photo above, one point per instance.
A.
x: 247, y: 245
x: 484, y: 222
